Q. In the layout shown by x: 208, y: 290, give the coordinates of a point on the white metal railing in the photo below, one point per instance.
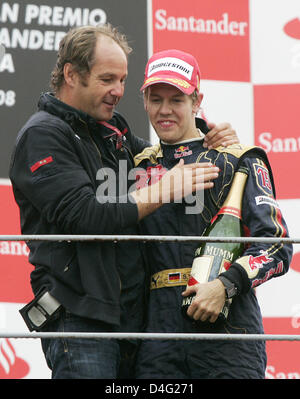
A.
x: 64, y: 237
x: 152, y: 336
x: 156, y: 336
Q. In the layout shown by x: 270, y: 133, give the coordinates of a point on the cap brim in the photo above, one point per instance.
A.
x: 181, y: 84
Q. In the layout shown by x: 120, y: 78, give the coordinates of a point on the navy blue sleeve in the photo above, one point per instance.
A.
x: 262, y: 217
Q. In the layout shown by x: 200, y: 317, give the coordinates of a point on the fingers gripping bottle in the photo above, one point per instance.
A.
x: 211, y: 258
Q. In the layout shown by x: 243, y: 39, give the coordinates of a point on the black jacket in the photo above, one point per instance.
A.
x: 53, y: 171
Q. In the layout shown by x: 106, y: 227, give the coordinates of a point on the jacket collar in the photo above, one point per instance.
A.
x: 78, y: 120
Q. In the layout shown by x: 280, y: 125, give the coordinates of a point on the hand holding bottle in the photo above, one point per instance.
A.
x: 208, y: 301
x: 212, y: 259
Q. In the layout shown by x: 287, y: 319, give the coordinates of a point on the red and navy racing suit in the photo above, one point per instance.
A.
x: 260, y: 262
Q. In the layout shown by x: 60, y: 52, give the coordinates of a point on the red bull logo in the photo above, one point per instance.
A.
x: 182, y: 151
x: 182, y: 148
x: 257, y: 262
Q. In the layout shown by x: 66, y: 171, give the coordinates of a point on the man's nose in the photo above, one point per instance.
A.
x: 118, y: 89
x: 165, y: 108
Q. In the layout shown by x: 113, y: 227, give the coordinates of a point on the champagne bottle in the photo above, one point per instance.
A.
x: 211, y: 259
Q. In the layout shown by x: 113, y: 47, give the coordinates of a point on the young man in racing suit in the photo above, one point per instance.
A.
x: 172, y: 99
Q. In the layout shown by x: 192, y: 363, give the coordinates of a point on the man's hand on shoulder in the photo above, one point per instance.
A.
x: 220, y: 135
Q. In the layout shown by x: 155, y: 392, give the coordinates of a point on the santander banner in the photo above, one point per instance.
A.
x: 194, y: 27
x: 14, y: 266
x: 18, y: 358
x: 277, y: 131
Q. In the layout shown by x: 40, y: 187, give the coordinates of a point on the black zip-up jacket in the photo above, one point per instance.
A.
x: 53, y: 171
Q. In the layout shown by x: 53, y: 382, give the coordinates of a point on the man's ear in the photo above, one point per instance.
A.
x: 69, y: 74
x: 145, y: 103
x: 197, y: 103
